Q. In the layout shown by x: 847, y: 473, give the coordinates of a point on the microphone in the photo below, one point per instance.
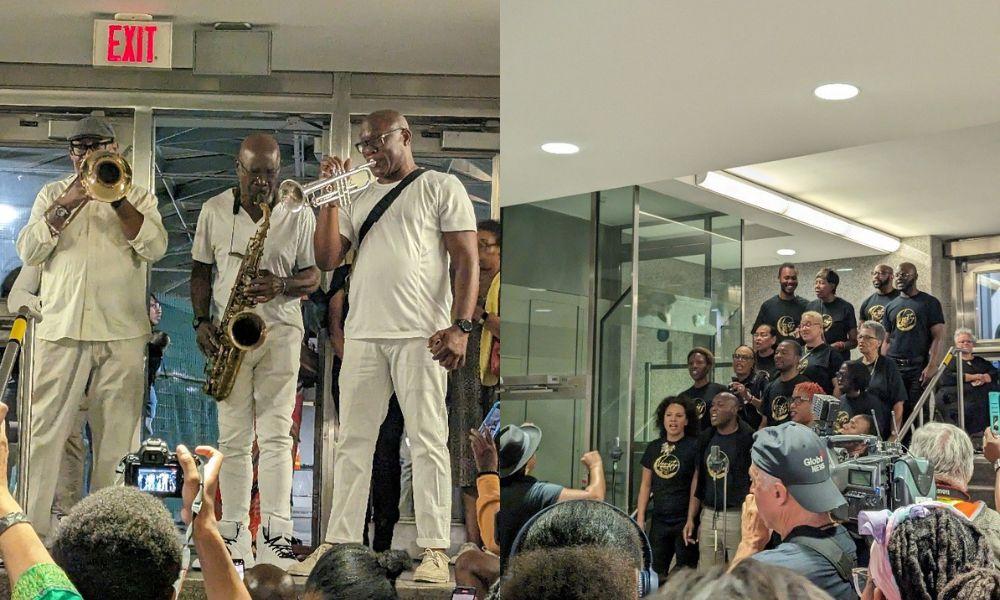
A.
x: 713, y: 455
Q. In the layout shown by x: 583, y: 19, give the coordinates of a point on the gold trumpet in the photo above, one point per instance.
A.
x: 336, y: 189
x: 106, y: 176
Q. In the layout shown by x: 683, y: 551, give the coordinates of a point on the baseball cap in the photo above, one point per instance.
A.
x: 795, y: 455
x: 94, y: 127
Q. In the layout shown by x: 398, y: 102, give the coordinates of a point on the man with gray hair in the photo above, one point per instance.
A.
x: 885, y: 382
x: 949, y: 449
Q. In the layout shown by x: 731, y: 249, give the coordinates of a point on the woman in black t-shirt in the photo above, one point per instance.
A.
x: 668, y: 469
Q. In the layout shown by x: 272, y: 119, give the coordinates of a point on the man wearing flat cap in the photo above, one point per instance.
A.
x: 792, y: 485
x: 521, y: 495
x: 94, y: 259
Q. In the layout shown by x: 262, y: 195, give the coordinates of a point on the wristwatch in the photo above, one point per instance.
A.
x: 996, y: 465
x: 465, y: 325
x: 60, y: 211
x: 11, y: 519
x: 197, y: 321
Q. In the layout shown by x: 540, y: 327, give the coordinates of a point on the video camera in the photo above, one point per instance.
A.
x: 884, y: 477
x: 154, y: 469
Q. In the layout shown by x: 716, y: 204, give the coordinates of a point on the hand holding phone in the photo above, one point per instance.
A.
x: 464, y: 593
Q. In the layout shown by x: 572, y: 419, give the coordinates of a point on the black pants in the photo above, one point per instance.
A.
x: 383, y: 500
x: 911, y: 381
x: 667, y: 542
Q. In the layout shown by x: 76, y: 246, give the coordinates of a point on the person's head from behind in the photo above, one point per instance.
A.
x: 725, y: 410
x: 268, y: 582
x: 800, y: 409
x: 356, y: 572
x: 949, y: 449
x: 516, y: 448
x: 585, y: 523
x: 119, y: 543
x: 920, y: 548
x: 677, y: 417
x: 790, y: 478
x: 749, y: 579
x: 569, y: 574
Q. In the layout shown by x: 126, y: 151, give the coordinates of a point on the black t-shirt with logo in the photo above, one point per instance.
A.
x: 756, y: 382
x: 766, y: 364
x: 777, y: 399
x: 736, y: 447
x: 838, y: 320
x: 782, y: 315
x: 820, y: 365
x: 873, y: 308
x: 673, y: 465
x: 908, y: 322
x: 702, y: 398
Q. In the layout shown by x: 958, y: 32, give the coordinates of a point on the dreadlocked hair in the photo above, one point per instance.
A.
x: 976, y: 584
x: 927, y: 553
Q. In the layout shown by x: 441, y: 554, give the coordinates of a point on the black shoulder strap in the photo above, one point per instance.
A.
x: 829, y: 549
x: 383, y: 205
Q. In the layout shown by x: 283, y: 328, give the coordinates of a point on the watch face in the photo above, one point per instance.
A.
x: 465, y: 325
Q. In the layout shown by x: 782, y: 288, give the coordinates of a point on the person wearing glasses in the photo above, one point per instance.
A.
x: 404, y: 331
x: 263, y: 395
x: 873, y: 308
x: 94, y: 259
x: 748, y: 385
x: 820, y: 362
x: 885, y: 380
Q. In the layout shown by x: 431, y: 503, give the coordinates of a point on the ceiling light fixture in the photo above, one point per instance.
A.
x: 744, y: 191
x: 836, y: 91
x: 786, y: 252
x: 560, y: 148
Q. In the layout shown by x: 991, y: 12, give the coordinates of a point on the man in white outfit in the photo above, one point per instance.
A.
x: 402, y: 333
x: 94, y: 257
x: 263, y: 394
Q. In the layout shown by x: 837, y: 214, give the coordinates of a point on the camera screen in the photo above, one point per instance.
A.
x: 859, y: 477
x: 157, y: 480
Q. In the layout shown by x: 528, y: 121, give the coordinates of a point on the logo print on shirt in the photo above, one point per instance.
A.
x: 875, y: 313
x: 840, y: 421
x: 718, y: 471
x: 667, y: 465
x: 779, y: 408
x: 786, y: 326
x: 700, y: 406
x: 827, y: 322
x: 906, y: 319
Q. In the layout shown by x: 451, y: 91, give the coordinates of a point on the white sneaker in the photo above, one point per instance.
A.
x: 274, y: 544
x: 238, y: 542
x: 304, y: 568
x: 433, y: 567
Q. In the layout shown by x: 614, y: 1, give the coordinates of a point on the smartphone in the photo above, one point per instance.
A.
x: 995, y: 411
x: 491, y: 424
x: 464, y: 593
x: 238, y: 563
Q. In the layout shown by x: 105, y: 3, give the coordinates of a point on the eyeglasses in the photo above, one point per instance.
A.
x: 83, y: 148
x: 375, y: 142
x: 743, y: 357
x: 484, y: 246
x: 268, y: 174
x: 863, y: 337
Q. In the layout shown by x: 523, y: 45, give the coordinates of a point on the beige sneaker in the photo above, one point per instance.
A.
x: 305, y: 567
x: 463, y: 549
x: 433, y: 567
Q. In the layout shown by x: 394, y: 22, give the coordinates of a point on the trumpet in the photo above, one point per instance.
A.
x: 106, y: 176
x: 336, y: 189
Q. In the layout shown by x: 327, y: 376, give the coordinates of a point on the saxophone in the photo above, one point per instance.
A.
x: 241, y: 329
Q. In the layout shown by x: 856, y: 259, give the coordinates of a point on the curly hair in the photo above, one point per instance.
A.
x: 119, y: 543
x: 807, y: 387
x: 585, y: 523
x: 690, y: 411
x: 356, y: 572
x: 981, y: 583
x: 705, y: 353
x: 748, y: 579
x: 928, y: 552
x: 569, y: 574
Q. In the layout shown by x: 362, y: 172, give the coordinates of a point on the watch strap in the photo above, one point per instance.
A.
x: 198, y: 321
x: 9, y: 520
x: 996, y: 465
x: 464, y: 324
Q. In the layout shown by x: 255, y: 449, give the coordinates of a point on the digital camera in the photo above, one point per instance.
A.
x: 154, y: 469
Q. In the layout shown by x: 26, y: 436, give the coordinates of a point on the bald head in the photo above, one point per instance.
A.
x: 259, y: 143
x: 268, y: 582
x: 385, y: 120
x: 906, y: 278
x: 384, y: 138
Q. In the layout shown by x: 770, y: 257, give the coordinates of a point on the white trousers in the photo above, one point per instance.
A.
x: 262, y: 401
x: 372, y: 370
x: 117, y: 378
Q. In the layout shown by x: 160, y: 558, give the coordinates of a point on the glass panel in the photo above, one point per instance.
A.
x: 988, y: 305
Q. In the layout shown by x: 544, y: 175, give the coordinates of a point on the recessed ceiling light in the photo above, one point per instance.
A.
x: 560, y: 148
x: 786, y: 252
x: 836, y: 91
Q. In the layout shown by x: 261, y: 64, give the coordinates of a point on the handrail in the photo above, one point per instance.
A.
x: 927, y: 396
x: 21, y: 342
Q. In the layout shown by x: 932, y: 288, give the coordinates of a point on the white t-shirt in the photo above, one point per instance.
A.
x: 400, y: 286
x: 288, y: 248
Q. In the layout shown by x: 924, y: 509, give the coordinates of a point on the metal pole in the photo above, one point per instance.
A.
x: 24, y: 396
x: 960, y: 375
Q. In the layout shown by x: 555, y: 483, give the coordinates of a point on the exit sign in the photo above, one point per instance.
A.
x: 142, y: 44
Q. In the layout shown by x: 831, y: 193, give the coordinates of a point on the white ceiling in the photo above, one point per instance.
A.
x: 383, y: 36
x: 663, y: 90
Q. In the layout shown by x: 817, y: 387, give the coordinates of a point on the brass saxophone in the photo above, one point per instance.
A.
x: 241, y: 329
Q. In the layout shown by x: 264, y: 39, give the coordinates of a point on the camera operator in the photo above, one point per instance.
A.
x: 949, y: 449
x: 791, y: 482
x: 748, y: 384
